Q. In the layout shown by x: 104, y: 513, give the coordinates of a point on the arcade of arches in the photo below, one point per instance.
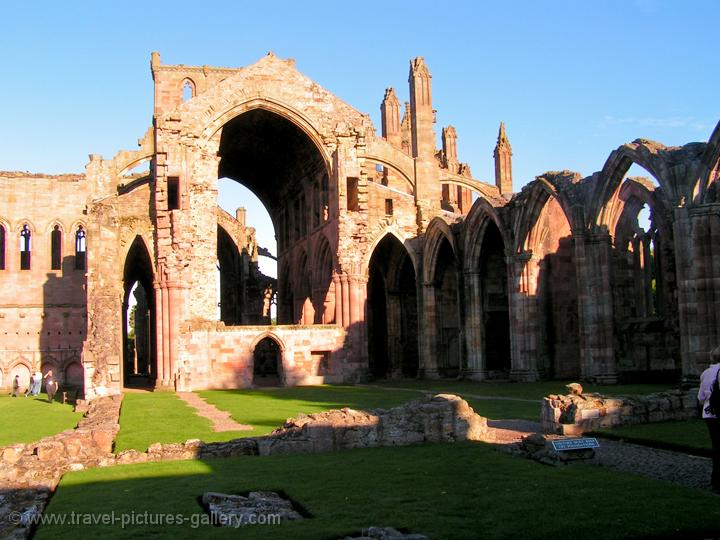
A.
x: 393, y: 261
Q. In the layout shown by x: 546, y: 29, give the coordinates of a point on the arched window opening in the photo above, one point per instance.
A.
x: 80, y: 248
x: 188, y: 90
x: 2, y: 247
x: 247, y: 264
x: 56, y: 248
x: 25, y: 245
x: 645, y: 264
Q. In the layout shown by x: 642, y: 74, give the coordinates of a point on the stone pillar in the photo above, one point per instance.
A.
x: 159, y: 336
x: 345, y: 300
x: 525, y: 338
x: 475, y: 354
x: 700, y: 286
x: 338, y: 300
x: 687, y: 308
x: 428, y: 337
x: 593, y: 256
x: 175, y: 293
x: 165, y: 381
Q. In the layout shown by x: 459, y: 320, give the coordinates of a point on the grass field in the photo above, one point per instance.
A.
x: 25, y: 420
x: 146, y: 418
x: 465, y: 490
x: 534, y: 390
x: 162, y: 417
x: 689, y: 436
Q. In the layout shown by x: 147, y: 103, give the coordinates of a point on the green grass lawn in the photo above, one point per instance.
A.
x: 689, y: 436
x: 163, y: 417
x: 267, y: 408
x: 465, y: 490
x: 534, y: 390
x: 147, y: 418
x: 25, y: 420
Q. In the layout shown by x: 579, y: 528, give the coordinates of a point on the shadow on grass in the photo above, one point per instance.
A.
x: 444, y: 490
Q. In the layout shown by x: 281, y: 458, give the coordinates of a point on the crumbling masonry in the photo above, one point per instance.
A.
x: 392, y: 259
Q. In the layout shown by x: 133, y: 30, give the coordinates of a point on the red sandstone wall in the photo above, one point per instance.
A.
x: 43, y: 316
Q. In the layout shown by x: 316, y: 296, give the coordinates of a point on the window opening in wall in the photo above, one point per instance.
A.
x: 2, y: 247
x: 188, y: 91
x: 80, y: 248
x: 56, y: 248
x: 353, y: 204
x: 25, y: 248
x: 388, y: 207
x: 173, y: 194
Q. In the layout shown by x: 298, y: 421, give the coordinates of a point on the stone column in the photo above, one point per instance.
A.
x: 175, y: 292
x: 698, y: 286
x: 593, y: 255
x: 338, y: 300
x: 428, y: 337
x: 525, y: 338
x: 475, y: 359
x: 159, y: 336
x: 345, y: 300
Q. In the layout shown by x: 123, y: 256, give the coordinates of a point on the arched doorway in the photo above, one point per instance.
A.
x: 495, y: 306
x: 23, y: 372
x: 267, y: 363
x: 138, y: 315
x: 447, y: 316
x: 392, y: 311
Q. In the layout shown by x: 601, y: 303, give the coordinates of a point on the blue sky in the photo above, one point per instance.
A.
x: 571, y: 80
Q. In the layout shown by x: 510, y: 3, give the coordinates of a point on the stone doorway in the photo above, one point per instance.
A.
x: 392, y: 312
x: 138, y: 328
x: 267, y: 363
x: 495, y: 305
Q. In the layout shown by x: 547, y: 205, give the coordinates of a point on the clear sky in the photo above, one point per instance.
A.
x: 572, y: 80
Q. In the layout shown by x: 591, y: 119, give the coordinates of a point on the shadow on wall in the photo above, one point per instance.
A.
x: 64, y: 324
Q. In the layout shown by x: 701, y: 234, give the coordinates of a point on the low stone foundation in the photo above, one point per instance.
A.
x: 43, y: 463
x: 29, y: 473
x: 441, y: 418
x: 576, y: 414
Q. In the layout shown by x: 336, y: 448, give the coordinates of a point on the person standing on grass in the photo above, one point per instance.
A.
x: 16, y: 386
x: 38, y: 383
x: 710, y: 414
x: 51, y: 386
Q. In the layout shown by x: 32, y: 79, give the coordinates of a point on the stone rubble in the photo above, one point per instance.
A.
x: 385, y: 533
x: 259, y: 507
x: 539, y: 448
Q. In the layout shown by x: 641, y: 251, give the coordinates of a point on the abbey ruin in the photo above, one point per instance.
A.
x: 393, y: 261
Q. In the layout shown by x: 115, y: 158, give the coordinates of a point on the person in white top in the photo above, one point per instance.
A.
x: 707, y: 380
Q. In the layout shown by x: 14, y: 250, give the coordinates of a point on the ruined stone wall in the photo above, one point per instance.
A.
x: 43, y: 315
x: 308, y: 355
x: 576, y: 414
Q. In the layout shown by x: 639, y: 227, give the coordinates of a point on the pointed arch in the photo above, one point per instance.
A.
x: 392, y: 310
x: 218, y: 120
x: 710, y: 172
x: 139, y: 351
x: 540, y: 198
x: 437, y: 231
x: 481, y: 214
x: 323, y: 288
x: 441, y: 297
